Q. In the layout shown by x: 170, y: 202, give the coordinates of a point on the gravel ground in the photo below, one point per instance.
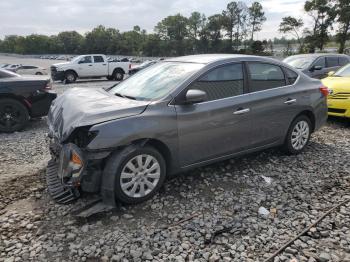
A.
x: 243, y: 209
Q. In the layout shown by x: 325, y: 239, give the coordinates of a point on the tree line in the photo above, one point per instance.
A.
x: 231, y: 31
x: 325, y: 15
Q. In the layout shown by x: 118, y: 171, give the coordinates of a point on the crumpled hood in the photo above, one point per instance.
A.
x: 79, y: 107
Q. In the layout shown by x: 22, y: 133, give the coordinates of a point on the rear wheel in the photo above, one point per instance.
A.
x: 139, y: 172
x: 110, y: 78
x: 298, y: 135
x: 118, y: 74
x: 14, y: 115
x: 70, y: 77
x: 38, y: 73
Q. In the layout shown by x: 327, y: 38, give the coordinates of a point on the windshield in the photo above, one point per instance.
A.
x: 156, y: 81
x: 302, y: 62
x: 77, y: 58
x: 343, y: 72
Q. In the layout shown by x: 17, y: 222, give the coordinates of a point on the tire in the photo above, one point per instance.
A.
x: 14, y: 116
x: 298, y: 135
x: 117, y: 166
x: 118, y: 75
x: 110, y: 78
x: 70, y: 77
x: 38, y: 73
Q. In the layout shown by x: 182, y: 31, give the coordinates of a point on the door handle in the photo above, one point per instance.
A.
x: 290, y: 101
x: 90, y: 65
x: 104, y: 64
x: 241, y: 111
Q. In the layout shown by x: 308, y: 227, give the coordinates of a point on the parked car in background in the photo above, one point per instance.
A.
x: 177, y: 114
x: 12, y: 68
x: 31, y: 70
x: 317, y: 65
x: 89, y: 66
x: 22, y: 98
x: 137, y: 68
x: 338, y: 84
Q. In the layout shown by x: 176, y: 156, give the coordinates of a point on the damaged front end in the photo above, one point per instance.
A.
x: 72, y: 168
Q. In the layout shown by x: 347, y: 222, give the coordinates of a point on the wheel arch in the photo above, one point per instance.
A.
x: 160, y: 146
x: 310, y: 115
x: 22, y: 100
x: 118, y: 69
x: 71, y: 70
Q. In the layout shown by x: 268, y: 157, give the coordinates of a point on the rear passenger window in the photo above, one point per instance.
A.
x: 291, y: 76
x: 98, y: 59
x: 265, y: 76
x: 222, y: 82
x: 332, y: 61
x: 343, y: 61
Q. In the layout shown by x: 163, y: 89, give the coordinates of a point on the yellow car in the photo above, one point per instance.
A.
x: 338, y: 84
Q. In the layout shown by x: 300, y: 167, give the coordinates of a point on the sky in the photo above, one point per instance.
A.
x: 23, y: 17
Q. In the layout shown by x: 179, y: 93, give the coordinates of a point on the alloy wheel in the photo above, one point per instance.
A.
x: 300, y: 135
x: 140, y: 176
x: 9, y: 116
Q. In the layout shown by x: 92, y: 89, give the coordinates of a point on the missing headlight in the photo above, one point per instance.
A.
x: 82, y: 136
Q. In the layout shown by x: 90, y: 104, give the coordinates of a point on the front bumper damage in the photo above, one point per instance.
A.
x: 71, y: 171
x: 63, y: 175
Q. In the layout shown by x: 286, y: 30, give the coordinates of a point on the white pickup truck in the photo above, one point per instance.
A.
x: 89, y: 66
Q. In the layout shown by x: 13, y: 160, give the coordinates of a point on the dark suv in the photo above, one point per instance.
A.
x: 317, y: 65
x: 177, y: 114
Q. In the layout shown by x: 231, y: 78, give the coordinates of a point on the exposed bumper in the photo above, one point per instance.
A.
x: 339, y: 107
x: 41, y: 103
x: 65, y: 180
x: 64, y: 172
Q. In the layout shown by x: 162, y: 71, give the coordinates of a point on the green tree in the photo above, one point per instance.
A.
x: 256, y: 18
x: 174, y: 29
x: 291, y: 25
x: 323, y: 14
x: 342, y: 8
x: 71, y: 42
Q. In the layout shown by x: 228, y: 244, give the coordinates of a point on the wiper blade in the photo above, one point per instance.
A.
x: 125, y: 96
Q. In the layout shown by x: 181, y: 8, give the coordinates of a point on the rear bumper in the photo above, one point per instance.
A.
x: 40, y: 104
x: 339, y: 107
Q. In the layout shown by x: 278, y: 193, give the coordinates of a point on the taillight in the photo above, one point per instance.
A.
x: 324, y: 90
x: 48, y: 86
x: 129, y: 66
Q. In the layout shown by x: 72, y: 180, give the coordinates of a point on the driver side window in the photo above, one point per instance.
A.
x: 320, y: 62
x: 85, y: 60
x: 222, y: 82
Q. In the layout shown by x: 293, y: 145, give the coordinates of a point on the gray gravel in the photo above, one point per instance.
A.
x: 207, y: 214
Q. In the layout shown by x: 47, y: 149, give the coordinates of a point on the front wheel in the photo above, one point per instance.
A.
x: 70, y: 77
x: 298, y: 135
x: 139, y: 173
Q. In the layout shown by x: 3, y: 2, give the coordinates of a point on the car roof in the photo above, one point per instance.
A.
x: 315, y: 55
x: 210, y: 58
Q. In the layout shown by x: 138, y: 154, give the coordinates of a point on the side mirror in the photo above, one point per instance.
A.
x: 316, y: 67
x: 331, y: 73
x: 195, y: 96
x: 80, y: 62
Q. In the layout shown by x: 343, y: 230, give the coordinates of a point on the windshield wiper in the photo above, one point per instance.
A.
x: 125, y: 96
